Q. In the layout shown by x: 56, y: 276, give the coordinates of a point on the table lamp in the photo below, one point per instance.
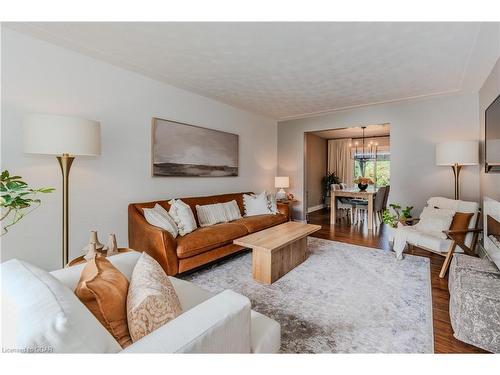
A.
x: 66, y: 137
x: 457, y: 154
x: 280, y: 183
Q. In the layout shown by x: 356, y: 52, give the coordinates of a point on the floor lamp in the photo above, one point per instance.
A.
x: 456, y: 154
x: 65, y: 137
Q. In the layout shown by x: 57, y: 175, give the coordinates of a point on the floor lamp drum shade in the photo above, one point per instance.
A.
x: 457, y: 152
x: 65, y: 137
x: 58, y: 135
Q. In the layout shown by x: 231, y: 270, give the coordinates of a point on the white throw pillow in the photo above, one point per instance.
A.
x: 159, y: 217
x: 435, y: 221
x: 46, y: 316
x: 211, y: 214
x: 256, y: 204
x: 232, y: 210
x: 183, y: 216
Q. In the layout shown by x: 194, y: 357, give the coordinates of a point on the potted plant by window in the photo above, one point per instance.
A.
x: 363, y: 182
x: 17, y: 199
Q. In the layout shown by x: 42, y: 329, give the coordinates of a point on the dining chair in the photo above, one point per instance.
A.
x: 378, y: 206
x: 344, y: 204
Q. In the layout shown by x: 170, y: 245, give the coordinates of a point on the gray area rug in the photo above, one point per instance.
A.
x: 342, y: 299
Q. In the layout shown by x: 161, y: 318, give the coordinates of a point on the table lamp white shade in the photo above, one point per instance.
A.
x: 58, y: 135
x: 281, y: 182
x: 457, y: 152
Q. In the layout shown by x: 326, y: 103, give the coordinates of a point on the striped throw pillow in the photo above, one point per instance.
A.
x: 232, y: 210
x: 211, y: 214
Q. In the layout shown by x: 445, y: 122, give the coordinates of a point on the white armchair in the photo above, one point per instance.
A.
x: 442, y: 245
x: 210, y: 323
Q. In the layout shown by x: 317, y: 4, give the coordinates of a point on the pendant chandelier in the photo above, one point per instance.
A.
x: 364, y: 151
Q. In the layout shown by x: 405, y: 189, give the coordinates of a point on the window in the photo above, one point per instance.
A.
x: 378, y: 170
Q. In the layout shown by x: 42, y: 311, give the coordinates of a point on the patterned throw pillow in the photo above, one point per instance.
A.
x: 183, y: 216
x: 152, y: 300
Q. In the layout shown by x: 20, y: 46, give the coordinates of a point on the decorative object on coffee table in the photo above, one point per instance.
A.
x: 64, y: 136
x: 277, y: 250
x: 91, y: 253
x: 186, y: 150
x: 281, y: 182
x: 112, y: 247
x: 93, y: 240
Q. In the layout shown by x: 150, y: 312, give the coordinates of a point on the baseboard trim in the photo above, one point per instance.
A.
x: 315, y: 208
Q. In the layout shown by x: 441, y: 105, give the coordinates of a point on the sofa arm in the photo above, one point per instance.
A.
x: 221, y: 324
x: 156, y: 242
x: 284, y: 209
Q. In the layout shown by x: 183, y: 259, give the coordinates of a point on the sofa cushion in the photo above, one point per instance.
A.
x: 259, y: 222
x: 208, y: 238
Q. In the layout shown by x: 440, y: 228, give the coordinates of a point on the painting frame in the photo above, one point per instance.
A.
x: 233, y: 171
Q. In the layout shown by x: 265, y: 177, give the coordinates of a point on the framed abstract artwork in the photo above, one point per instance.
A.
x: 187, y: 150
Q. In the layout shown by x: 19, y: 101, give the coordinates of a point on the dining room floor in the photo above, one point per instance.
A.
x: 358, y: 234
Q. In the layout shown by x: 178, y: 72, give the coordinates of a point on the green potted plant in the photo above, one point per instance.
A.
x: 17, y: 199
x: 327, y: 181
x: 393, y: 218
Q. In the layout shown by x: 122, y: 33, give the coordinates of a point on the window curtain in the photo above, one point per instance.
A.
x: 339, y: 159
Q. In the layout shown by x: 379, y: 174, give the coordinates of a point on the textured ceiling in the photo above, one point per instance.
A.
x: 355, y: 132
x: 284, y: 70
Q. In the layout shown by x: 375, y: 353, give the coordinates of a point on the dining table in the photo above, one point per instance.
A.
x: 353, y: 193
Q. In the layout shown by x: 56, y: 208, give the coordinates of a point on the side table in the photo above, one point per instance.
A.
x: 289, y: 203
x: 81, y: 259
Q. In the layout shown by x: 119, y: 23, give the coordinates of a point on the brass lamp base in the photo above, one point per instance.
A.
x: 65, y: 162
x: 456, y: 172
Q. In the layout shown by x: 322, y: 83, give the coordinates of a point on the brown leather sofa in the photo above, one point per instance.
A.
x: 202, y: 246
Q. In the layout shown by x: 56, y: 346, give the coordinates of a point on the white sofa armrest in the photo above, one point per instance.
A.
x: 219, y: 325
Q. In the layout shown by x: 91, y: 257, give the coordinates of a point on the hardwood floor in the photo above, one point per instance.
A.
x: 444, y: 342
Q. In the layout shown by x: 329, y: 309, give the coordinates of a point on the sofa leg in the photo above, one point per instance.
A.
x: 447, y: 260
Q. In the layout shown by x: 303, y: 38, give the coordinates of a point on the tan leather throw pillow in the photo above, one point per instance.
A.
x: 152, y: 300
x: 461, y: 221
x: 103, y: 290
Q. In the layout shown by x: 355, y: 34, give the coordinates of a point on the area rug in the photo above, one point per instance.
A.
x: 342, y: 299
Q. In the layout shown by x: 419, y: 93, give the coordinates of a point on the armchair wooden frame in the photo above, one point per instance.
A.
x: 454, y: 243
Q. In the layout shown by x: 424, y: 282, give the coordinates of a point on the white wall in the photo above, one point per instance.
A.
x: 416, y: 126
x: 490, y: 182
x: 40, y: 77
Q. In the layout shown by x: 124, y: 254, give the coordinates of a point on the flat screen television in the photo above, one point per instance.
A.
x: 492, y: 137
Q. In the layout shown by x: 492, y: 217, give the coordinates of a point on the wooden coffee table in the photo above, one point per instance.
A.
x: 277, y: 250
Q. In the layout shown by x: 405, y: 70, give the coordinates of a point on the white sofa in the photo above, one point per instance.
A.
x: 210, y: 323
